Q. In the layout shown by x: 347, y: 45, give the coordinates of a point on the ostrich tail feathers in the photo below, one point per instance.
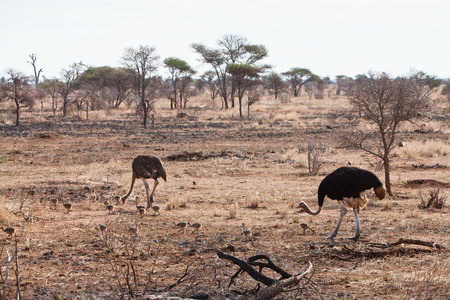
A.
x: 380, y: 192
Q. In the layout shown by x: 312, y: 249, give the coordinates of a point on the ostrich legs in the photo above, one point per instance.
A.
x: 347, y: 186
x: 145, y: 167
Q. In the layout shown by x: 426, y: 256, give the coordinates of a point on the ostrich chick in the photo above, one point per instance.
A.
x: 110, y: 208
x: 141, y: 212
x: 156, y: 209
x: 138, y: 207
x: 182, y: 225
x: 305, y: 227
x: 196, y: 226
x: 247, y: 231
x: 9, y: 230
x: 68, y: 206
x: 347, y: 186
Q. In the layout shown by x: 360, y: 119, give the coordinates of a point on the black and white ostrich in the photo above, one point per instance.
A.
x: 347, y: 186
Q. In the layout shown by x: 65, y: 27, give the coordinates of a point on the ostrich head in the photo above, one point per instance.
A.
x: 302, y: 206
x: 380, y: 192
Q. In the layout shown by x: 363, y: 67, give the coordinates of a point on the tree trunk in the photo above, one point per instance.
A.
x: 387, y: 177
x: 144, y: 111
x: 17, y: 114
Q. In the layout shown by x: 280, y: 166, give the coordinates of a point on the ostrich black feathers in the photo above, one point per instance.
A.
x: 348, y: 182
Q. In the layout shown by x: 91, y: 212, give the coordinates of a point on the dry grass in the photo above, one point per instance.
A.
x: 434, y: 199
x: 295, y: 157
x: 233, y: 210
x: 176, y: 202
x: 413, y: 150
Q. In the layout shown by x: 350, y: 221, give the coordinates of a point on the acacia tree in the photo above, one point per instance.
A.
x: 233, y: 49
x: 216, y: 59
x: 274, y: 83
x: 16, y: 90
x: 342, y: 82
x: 297, y: 77
x: 244, y: 76
x: 143, y: 61
x: 387, y: 102
x: 107, y: 85
x: 179, y: 71
x: 69, y: 76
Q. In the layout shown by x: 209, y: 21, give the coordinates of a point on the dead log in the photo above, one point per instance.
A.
x: 417, y: 242
x: 273, y: 287
x: 408, y: 242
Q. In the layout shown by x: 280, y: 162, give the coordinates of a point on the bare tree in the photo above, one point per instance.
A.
x: 16, y: 90
x: 143, y: 61
x: 37, y: 73
x: 209, y: 77
x: 52, y: 88
x: 68, y: 79
x: 387, y: 102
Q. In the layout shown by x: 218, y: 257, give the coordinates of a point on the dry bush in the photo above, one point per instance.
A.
x: 386, y: 205
x: 282, y: 212
x: 233, y: 209
x: 176, y: 202
x: 290, y: 116
x: 295, y: 157
x: 314, y: 160
x: 434, y: 200
x: 253, y: 201
x: 416, y: 149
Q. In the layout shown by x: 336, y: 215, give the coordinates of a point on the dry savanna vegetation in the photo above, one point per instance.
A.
x: 231, y: 175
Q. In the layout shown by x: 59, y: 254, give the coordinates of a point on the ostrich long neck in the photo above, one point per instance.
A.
x: 308, y: 210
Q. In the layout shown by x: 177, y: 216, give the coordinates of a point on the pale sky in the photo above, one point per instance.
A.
x: 329, y: 37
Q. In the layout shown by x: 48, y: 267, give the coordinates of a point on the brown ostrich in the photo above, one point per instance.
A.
x: 9, y: 230
x: 347, y: 186
x: 145, y: 167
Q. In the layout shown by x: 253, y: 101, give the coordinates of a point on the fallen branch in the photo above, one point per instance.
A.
x: 273, y: 287
x: 409, y: 242
x: 279, y: 287
x: 169, y: 287
x: 417, y: 242
x: 244, y: 266
x: 269, y: 264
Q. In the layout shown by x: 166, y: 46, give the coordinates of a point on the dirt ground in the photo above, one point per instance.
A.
x: 222, y: 172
